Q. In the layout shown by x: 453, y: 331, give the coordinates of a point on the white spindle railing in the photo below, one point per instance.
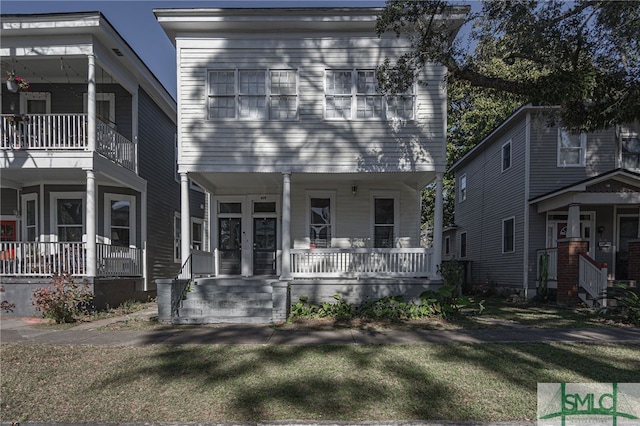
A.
x: 116, y: 261
x: 593, y: 278
x: 361, y: 262
x: 65, y: 132
x: 114, y: 146
x: 48, y: 258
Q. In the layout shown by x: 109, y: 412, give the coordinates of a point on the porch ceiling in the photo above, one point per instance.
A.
x: 272, y: 182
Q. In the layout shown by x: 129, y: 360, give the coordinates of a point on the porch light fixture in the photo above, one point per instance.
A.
x: 354, y: 190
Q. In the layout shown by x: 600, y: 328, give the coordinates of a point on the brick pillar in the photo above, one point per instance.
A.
x: 569, y: 250
x: 634, y: 261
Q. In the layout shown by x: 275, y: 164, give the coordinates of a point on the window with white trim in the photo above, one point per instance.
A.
x: 35, y: 102
x: 508, y: 235
x: 320, y: 226
x: 197, y: 234
x: 572, y: 149
x: 506, y: 156
x: 447, y: 245
x: 119, y: 218
x: 30, y: 224
x: 384, y: 222
x: 252, y: 94
x: 462, y: 185
x: 353, y: 94
x: 630, y: 152
x: 68, y: 216
x: 463, y: 244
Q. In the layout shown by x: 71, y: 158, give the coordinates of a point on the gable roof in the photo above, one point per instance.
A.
x: 501, y: 128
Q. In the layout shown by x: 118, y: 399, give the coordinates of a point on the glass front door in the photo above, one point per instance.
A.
x: 230, y: 245
x: 264, y: 246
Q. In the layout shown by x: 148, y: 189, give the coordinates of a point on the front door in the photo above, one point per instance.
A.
x: 627, y: 230
x: 230, y: 245
x: 264, y: 246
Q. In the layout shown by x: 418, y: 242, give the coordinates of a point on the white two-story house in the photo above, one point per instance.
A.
x: 88, y: 180
x: 313, y: 172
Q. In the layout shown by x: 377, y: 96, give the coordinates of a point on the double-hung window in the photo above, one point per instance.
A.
x: 506, y: 156
x: 571, y: 149
x: 320, y: 227
x: 384, y: 221
x: 354, y: 95
x: 253, y: 94
x: 630, y: 147
x: 508, y: 235
x: 462, y: 188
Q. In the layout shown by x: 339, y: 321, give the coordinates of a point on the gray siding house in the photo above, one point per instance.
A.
x: 531, y: 185
x: 88, y: 179
x: 315, y: 176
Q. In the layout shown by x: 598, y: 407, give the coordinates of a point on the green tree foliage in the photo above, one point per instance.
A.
x: 583, y: 56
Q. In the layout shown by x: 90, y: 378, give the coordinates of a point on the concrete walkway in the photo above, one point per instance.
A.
x: 24, y: 330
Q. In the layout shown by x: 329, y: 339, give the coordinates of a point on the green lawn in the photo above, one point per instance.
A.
x: 248, y: 383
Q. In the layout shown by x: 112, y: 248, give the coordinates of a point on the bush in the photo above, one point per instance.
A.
x: 626, y: 302
x: 63, y: 300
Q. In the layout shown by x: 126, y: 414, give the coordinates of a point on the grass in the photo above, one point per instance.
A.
x: 486, y: 382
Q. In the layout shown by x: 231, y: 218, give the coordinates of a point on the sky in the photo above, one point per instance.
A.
x: 136, y: 23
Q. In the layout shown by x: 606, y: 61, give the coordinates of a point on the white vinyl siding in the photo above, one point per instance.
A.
x: 309, y: 143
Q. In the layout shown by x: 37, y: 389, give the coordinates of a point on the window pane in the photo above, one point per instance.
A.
x: 320, y: 232
x: 506, y: 156
x: 383, y: 237
x: 120, y: 237
x: 283, y: 82
x: 252, y: 82
x: 463, y: 245
x: 221, y: 83
x: 338, y: 107
x: 369, y: 107
x: 400, y: 107
x: 253, y: 107
x: 37, y: 106
x: 570, y: 156
x: 222, y: 107
x: 120, y: 213
x: 69, y: 212
x: 384, y: 213
x: 31, y: 213
x: 338, y: 82
x: 265, y: 207
x: 568, y: 140
x: 367, y: 82
x: 507, y: 232
x: 230, y: 208
x: 283, y: 107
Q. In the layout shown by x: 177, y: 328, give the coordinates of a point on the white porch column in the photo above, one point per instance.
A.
x: 91, y: 103
x: 286, y: 227
x: 185, y: 219
x: 573, y: 221
x: 91, y: 224
x: 437, y: 224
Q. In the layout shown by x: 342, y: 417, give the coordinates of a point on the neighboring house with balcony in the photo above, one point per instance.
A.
x: 88, y: 179
x: 315, y: 176
x: 531, y: 196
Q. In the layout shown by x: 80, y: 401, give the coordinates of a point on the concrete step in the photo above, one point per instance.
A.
x: 225, y: 304
x: 211, y: 289
x: 222, y: 320
x: 229, y: 296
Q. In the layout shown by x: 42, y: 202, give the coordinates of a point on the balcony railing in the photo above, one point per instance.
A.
x: 36, y: 259
x: 65, y: 132
x: 361, y: 262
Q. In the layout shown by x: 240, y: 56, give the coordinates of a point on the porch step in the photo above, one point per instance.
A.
x: 227, y: 300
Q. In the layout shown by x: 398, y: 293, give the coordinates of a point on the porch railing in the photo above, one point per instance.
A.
x: 65, y: 132
x: 116, y: 261
x: 36, y: 259
x: 593, y: 278
x: 361, y: 262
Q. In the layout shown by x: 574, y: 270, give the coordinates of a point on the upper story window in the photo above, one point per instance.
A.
x: 572, y: 149
x: 354, y: 95
x: 462, y: 185
x: 630, y: 150
x: 506, y: 156
x: 252, y: 94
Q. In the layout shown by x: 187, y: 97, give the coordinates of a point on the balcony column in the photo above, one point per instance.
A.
x: 437, y: 224
x: 286, y: 227
x: 91, y: 225
x: 185, y: 221
x: 91, y: 103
